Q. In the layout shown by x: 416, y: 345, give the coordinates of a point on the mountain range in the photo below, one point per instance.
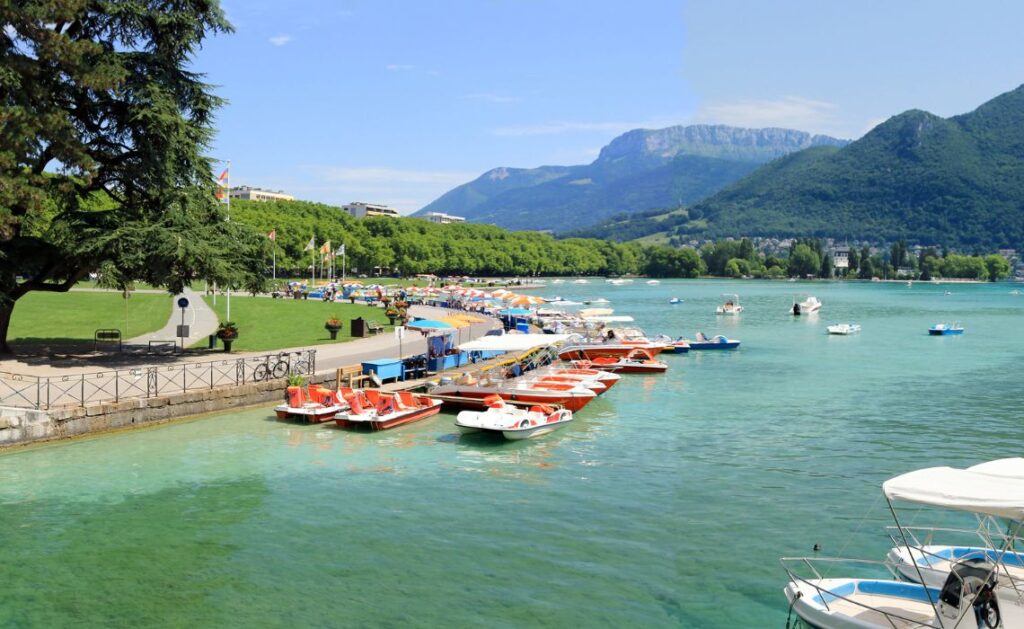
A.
x: 638, y: 171
x: 955, y: 181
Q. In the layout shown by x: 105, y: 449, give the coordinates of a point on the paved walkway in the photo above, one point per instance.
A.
x: 328, y: 356
x: 200, y: 318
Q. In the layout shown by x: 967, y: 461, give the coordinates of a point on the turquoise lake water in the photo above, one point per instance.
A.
x: 667, y: 503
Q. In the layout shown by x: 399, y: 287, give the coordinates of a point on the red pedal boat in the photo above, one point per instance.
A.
x: 317, y: 405
x: 381, y: 411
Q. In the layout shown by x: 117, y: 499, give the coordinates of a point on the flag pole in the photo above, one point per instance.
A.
x: 274, y: 245
x: 312, y: 269
x: 229, y: 220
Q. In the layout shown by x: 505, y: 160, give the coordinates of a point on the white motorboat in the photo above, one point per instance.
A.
x: 558, y: 281
x: 511, y: 422
x: 731, y: 306
x: 924, y: 559
x: 843, y: 329
x: 810, y: 305
x: 675, y: 300
x: 653, y: 282
x: 975, y: 593
x: 581, y: 281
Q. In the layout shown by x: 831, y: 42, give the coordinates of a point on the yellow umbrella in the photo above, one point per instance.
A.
x: 525, y: 300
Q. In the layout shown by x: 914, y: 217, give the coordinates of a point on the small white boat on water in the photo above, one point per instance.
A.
x: 599, y: 300
x: 1015, y: 291
x: 558, y: 281
x: 581, y: 281
x: 511, y: 422
x: 675, y: 300
x: 844, y: 329
x: 731, y: 306
x: 810, y: 305
x: 653, y: 282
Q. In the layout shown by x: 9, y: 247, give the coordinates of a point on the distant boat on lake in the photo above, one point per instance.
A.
x: 945, y: 329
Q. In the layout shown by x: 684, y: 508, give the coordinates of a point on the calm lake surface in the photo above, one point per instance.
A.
x: 667, y: 503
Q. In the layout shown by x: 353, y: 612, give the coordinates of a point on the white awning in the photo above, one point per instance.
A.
x: 962, y: 490
x: 1013, y: 468
x: 611, y: 319
x: 512, y: 342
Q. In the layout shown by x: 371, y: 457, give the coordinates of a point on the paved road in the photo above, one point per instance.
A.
x: 200, y: 317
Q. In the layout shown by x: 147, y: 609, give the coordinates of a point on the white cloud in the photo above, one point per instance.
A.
x: 489, y: 97
x: 399, y: 67
x: 790, y: 112
x: 280, y: 40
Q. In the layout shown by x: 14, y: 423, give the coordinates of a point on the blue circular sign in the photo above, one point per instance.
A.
x: 183, y: 302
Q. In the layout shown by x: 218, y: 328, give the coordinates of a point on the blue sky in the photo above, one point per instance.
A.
x: 397, y: 102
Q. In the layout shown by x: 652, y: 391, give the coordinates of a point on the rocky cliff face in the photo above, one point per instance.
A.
x: 752, y: 145
x: 639, y: 170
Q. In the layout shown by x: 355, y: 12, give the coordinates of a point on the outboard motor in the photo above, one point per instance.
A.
x: 796, y: 309
x: 971, y: 582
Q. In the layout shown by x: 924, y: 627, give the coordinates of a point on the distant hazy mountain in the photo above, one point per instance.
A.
x: 639, y: 170
x: 957, y: 181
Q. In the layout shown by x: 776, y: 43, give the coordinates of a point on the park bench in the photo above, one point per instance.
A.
x: 108, y: 335
x: 351, y: 376
x: 376, y: 328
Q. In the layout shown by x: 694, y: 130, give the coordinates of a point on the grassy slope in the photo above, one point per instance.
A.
x: 77, y: 315
x: 268, y: 324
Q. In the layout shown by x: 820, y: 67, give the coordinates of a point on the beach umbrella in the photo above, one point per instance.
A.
x: 525, y: 300
x: 429, y: 324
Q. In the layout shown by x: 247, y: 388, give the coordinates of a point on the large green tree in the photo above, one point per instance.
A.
x: 102, y: 130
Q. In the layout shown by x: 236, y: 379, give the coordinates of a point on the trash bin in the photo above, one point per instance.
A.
x: 523, y: 327
x: 212, y: 341
x: 358, y: 328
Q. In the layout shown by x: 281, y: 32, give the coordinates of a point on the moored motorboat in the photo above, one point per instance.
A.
x: 810, y: 305
x: 974, y: 592
x: 843, y: 329
x: 380, y: 411
x: 572, y: 396
x: 702, y: 342
x: 946, y: 329
x: 731, y: 306
x: 590, y: 351
x: 638, y: 361
x: 511, y: 422
x: 317, y: 405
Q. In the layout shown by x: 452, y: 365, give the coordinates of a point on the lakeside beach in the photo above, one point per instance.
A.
x: 764, y: 451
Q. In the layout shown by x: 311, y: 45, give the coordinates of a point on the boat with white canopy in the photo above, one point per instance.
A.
x: 977, y: 592
x: 924, y: 558
x: 731, y: 306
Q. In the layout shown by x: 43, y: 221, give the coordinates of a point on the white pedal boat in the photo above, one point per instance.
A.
x: 512, y: 422
x: 843, y: 329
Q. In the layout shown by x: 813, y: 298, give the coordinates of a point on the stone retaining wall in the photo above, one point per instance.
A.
x: 20, y: 426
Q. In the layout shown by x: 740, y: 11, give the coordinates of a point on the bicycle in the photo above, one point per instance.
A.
x: 265, y: 371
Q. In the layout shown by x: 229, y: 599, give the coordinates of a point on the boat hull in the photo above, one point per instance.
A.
x: 473, y: 397
x: 310, y: 415
x: 696, y: 346
x: 945, y: 332
x: 388, y: 421
x: 590, y: 352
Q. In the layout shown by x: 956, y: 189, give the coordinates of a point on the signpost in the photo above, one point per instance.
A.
x: 183, y: 331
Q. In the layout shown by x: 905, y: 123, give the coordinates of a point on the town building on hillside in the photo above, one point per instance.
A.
x: 442, y: 218
x: 248, y: 193
x: 840, y: 257
x: 358, y: 209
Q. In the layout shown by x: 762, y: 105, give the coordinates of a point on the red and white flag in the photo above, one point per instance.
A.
x: 272, y: 235
x: 222, y: 186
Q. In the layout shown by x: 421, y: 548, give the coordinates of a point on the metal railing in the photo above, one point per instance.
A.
x: 75, y: 390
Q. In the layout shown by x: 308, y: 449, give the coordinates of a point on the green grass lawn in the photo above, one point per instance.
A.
x: 268, y: 324
x: 77, y: 315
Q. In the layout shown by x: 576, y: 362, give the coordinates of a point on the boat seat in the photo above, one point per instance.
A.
x: 372, y: 396
x: 409, y: 400
x: 296, y: 397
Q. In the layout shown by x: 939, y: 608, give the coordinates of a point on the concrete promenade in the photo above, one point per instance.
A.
x: 328, y: 355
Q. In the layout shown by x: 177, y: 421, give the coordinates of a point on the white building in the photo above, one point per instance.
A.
x: 442, y: 218
x: 248, y: 193
x: 358, y: 209
x: 841, y: 257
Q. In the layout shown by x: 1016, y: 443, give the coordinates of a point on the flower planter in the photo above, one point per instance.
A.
x: 227, y: 344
